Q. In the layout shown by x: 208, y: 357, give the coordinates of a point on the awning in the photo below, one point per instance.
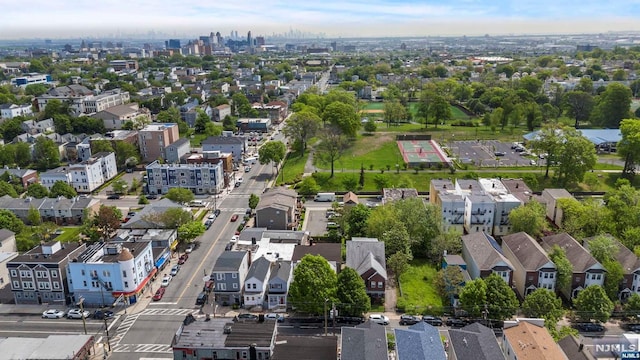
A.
x: 174, y: 244
x: 137, y: 289
x: 162, y: 260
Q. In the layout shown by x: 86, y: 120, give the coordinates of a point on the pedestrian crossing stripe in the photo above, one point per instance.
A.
x: 171, y: 312
x: 142, y: 348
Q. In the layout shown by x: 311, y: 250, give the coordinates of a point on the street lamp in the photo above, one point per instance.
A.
x: 84, y: 322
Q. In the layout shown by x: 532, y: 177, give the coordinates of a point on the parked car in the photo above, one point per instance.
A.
x: 633, y: 327
x: 183, y: 258
x: 590, y: 327
x: 229, y: 247
x: 202, y: 298
x: 455, y: 322
x: 432, y: 320
x: 234, y: 217
x: 159, y: 294
x: 152, y: 197
x: 113, y: 197
x: 103, y: 314
x: 379, y: 319
x: 189, y: 248
x: 166, y: 280
x: 247, y: 169
x: 78, y: 314
x: 332, y: 225
x: 274, y: 316
x: 212, y: 216
x: 216, y: 212
x: 174, y: 270
x: 53, y: 314
x: 499, y: 153
x: 247, y: 317
x: 409, y: 319
x: 235, y: 238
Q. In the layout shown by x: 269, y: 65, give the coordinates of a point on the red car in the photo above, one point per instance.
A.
x: 159, y: 294
x: 234, y: 217
x: 182, y: 259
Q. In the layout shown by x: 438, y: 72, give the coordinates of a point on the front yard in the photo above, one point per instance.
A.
x: 417, y: 292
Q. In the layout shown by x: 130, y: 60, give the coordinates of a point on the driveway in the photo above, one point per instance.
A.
x: 315, y: 221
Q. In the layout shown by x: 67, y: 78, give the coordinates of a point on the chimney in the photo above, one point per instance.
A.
x: 493, y: 185
x: 517, y: 185
x: 470, y: 186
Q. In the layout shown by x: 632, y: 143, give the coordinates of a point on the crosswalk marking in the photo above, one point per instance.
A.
x: 123, y: 328
x: 142, y: 348
x: 174, y: 312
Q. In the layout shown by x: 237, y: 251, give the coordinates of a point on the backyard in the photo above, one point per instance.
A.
x: 417, y: 292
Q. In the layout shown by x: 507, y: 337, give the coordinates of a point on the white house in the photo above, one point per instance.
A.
x: 106, y: 271
x: 479, y: 211
x: 281, y: 274
x: 9, y: 111
x: 255, y: 284
x: 92, y: 173
x: 50, y: 177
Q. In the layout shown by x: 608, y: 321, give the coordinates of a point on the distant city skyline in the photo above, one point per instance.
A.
x: 359, y: 18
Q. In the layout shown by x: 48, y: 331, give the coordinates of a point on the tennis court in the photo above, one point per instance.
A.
x: 426, y: 153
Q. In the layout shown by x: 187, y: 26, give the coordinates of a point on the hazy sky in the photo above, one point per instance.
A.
x: 360, y: 18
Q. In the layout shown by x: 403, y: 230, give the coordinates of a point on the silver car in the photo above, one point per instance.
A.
x: 77, y: 314
x: 53, y: 314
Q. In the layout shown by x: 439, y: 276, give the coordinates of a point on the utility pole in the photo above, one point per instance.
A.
x: 325, y: 316
x: 333, y: 316
x: 84, y: 321
x: 106, y: 329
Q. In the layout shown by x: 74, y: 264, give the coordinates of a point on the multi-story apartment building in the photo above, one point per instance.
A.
x: 50, y: 177
x: 229, y: 273
x: 204, y: 178
x: 154, y: 138
x: 105, y: 100
x: 236, y: 145
x: 119, y: 65
x: 504, y: 203
x: 532, y: 268
x: 115, y: 117
x: 451, y: 202
x: 39, y: 275
x: 92, y: 173
x: 174, y: 152
x: 61, y: 211
x: 630, y: 283
x: 9, y: 111
x: 81, y: 100
x: 106, y: 271
x: 220, y: 112
x: 479, y: 212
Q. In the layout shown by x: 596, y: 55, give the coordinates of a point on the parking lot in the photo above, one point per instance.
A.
x: 489, y: 153
x: 316, y: 221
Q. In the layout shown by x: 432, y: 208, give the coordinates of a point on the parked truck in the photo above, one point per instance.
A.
x: 325, y: 197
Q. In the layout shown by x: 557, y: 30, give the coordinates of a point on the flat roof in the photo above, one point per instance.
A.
x: 202, y: 334
x: 53, y: 347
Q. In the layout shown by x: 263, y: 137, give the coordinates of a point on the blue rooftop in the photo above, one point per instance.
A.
x: 596, y: 136
x: 419, y: 342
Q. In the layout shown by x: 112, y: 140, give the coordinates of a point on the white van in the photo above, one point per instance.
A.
x: 326, y: 197
x: 250, y: 160
x: 196, y: 203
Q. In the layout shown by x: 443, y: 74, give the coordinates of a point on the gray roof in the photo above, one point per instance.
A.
x: 230, y: 261
x: 53, y: 347
x: 281, y: 270
x: 366, y: 341
x: 223, y: 140
x: 144, y: 218
x: 329, y: 251
x: 278, y: 197
x: 366, y: 253
x: 570, y: 345
x: 629, y: 261
x: 70, y: 91
x: 419, y: 342
x: 526, y: 250
x: 6, y: 234
x: 577, y: 255
x: 305, y: 347
x: 179, y: 142
x: 17, y: 172
x: 475, y: 341
x: 485, y: 252
x: 258, y: 269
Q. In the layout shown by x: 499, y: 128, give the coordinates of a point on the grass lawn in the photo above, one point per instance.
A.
x: 373, y: 106
x: 196, y: 139
x: 70, y: 233
x: 293, y: 168
x: 378, y: 150
x: 419, y: 294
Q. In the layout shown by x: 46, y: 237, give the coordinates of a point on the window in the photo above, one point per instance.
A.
x: 82, y: 272
x: 84, y: 283
x: 14, y: 273
x: 221, y: 286
x: 546, y: 275
x: 56, y: 285
x: 219, y: 276
x: 235, y: 285
x: 54, y: 273
x: 106, y: 273
x: 124, y: 273
x: 25, y: 273
x: 44, y: 285
x: 126, y: 284
x: 16, y: 284
x: 42, y: 274
x: 380, y: 285
x: 234, y: 275
x: 28, y: 285
x: 373, y: 284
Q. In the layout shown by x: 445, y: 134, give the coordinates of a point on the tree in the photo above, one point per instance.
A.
x: 396, y: 239
x: 8, y: 220
x: 502, y: 302
x: 107, y: 220
x: 272, y: 151
x: 439, y: 109
x: 7, y: 189
x: 142, y: 200
x: 253, y: 201
x: 35, y: 89
x: 120, y: 186
x: 548, y: 142
x: 564, y: 266
x: 45, y: 231
x: 180, y: 195
x: 473, y: 297
x: 189, y: 231
x: 422, y: 223
x: 46, y: 153
x: 577, y: 156
x: 543, y: 303
x: 33, y: 216
x: 352, y: 293
x: 332, y: 144
x: 578, y: 105
x: 592, y: 303
x: 629, y: 146
x: 398, y: 263
x: 361, y: 179
x: 394, y: 112
x: 530, y: 218
x: 603, y: 248
x: 449, y: 282
x: 350, y: 183
x: 173, y: 218
x: 314, y: 284
x: 55, y: 107
x: 171, y: 115
x: 301, y: 127
x: 381, y: 181
x: 61, y: 188
x: 370, y: 126
x: 101, y: 146
x: 308, y: 186
x: 633, y: 303
x: 126, y: 154
x: 202, y: 119
x: 614, y: 277
x: 448, y: 241
x: 354, y: 220
x: 342, y: 116
x: 612, y: 106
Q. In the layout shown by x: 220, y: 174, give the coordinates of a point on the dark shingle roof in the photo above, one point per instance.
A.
x: 527, y: 250
x: 329, y: 251
x: 259, y: 269
x: 281, y: 270
x: 577, y: 255
x: 366, y: 341
x: 484, y: 252
x: 229, y: 261
x: 364, y: 254
x: 476, y: 342
x: 419, y: 342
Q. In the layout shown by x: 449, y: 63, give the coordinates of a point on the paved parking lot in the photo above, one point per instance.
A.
x: 483, y: 153
x: 316, y: 221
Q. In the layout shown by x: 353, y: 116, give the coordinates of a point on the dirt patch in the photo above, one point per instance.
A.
x: 372, y: 111
x: 371, y: 143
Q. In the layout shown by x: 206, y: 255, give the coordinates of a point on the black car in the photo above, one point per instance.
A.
x: 590, y: 327
x: 152, y: 196
x: 113, y: 197
x: 101, y: 315
x: 453, y: 322
x: 409, y: 319
x: 216, y: 212
x: 499, y: 153
x: 245, y: 317
x: 202, y: 298
x: 634, y: 327
x: 432, y: 320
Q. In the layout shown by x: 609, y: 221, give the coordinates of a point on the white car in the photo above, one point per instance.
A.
x: 379, y: 319
x: 235, y: 238
x: 189, y: 248
x: 53, y: 314
x: 77, y: 314
x: 166, y: 280
x: 174, y: 270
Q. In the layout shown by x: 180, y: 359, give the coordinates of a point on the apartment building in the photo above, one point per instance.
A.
x: 9, y: 111
x: 484, y: 256
x: 115, y: 117
x: 236, y: 145
x: 154, y: 138
x: 81, y: 100
x: 504, y: 203
x: 443, y: 193
x: 220, y: 112
x: 92, y: 173
x: 204, y: 178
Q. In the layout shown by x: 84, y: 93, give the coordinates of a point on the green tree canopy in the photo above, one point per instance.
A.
x: 61, y: 188
x: 502, y: 302
x: 173, y: 218
x: 592, y: 303
x: 565, y: 269
x: 449, y: 282
x: 354, y: 220
x: 332, y: 144
x: 301, y: 127
x: 352, y: 294
x: 7, y: 189
x: 189, y: 231
x: 473, y: 297
x: 180, y: 195
x: 612, y: 106
x: 46, y: 153
x: 314, y: 283
x: 543, y: 303
x: 343, y: 116
x: 8, y: 220
x: 253, y: 201
x: 629, y: 146
x: 272, y: 151
x: 530, y: 218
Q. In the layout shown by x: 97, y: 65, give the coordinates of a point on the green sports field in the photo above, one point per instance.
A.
x: 456, y: 113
